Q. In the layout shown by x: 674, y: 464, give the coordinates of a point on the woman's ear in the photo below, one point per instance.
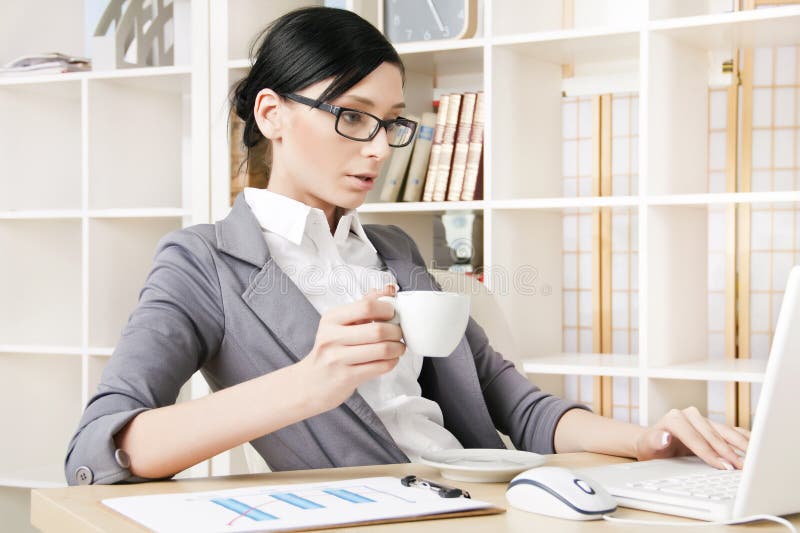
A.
x: 267, y: 112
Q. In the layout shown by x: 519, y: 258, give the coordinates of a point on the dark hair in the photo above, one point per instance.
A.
x: 304, y: 47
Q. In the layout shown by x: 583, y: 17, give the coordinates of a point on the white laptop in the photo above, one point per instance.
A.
x: 768, y: 483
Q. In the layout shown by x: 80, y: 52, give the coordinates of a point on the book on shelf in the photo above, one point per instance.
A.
x: 459, y: 166
x: 418, y: 166
x: 398, y: 165
x: 473, y: 172
x: 436, y: 148
x: 252, y: 171
x: 442, y: 170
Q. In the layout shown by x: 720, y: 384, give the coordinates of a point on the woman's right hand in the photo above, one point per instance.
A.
x: 354, y: 344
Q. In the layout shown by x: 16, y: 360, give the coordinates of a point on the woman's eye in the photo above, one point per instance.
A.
x: 352, y: 118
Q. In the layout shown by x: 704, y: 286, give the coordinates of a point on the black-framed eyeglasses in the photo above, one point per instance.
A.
x: 362, y: 126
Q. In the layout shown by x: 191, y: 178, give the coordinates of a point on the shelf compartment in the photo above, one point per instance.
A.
x: 678, y: 119
x: 686, y: 251
x: 530, y: 277
x: 516, y: 16
x: 691, y: 277
x: 121, y: 253
x: 551, y: 281
x: 150, y: 115
x: 35, y: 457
x: 687, y: 112
x: 458, y: 57
x: 40, y: 146
x: 544, y: 145
x: 420, y: 226
x: 40, y: 282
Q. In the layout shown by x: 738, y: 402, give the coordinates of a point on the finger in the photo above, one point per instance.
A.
x: 679, y: 425
x: 368, y: 333
x: 735, y: 438
x: 367, y: 371
x: 367, y: 353
x: 720, y: 445
x: 655, y: 444
x: 745, y: 432
x: 365, y: 310
x: 388, y: 290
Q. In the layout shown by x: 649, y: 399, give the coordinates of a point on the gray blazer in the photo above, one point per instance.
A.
x: 215, y: 301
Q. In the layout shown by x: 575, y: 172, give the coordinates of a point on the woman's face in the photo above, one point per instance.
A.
x: 312, y: 163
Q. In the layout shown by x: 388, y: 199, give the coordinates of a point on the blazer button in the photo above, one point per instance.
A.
x: 122, y: 458
x: 84, y: 475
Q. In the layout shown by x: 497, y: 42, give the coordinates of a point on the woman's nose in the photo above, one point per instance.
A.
x: 378, y: 146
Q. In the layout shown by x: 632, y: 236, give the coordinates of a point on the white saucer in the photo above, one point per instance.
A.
x: 481, y: 465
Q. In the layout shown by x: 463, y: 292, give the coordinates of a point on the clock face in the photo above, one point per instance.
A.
x: 426, y: 20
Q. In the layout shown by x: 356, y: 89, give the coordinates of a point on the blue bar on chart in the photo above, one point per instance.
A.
x: 243, y: 509
x: 297, y: 501
x: 349, y: 496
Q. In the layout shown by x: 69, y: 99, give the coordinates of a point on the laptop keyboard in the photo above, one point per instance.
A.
x: 713, y: 486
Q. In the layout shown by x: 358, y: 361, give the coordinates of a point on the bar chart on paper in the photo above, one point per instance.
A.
x: 287, y: 507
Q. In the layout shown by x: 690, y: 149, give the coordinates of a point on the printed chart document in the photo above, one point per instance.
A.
x: 294, y: 506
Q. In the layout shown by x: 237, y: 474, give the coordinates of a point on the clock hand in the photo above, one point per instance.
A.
x: 436, y: 15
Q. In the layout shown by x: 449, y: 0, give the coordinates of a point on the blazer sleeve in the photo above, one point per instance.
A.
x: 176, y: 327
x: 518, y: 408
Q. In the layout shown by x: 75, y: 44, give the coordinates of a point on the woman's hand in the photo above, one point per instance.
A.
x: 354, y: 344
x: 688, y: 432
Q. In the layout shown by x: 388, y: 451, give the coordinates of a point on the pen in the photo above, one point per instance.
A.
x: 443, y: 490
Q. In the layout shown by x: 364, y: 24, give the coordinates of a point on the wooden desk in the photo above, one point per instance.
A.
x: 74, y: 509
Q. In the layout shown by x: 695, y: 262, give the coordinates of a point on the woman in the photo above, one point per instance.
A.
x: 303, y: 364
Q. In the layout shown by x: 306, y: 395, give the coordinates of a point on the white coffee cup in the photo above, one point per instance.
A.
x: 433, y: 322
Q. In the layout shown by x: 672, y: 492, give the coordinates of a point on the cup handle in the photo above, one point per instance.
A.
x: 392, y: 300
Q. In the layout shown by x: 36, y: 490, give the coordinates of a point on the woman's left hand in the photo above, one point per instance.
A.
x: 688, y: 432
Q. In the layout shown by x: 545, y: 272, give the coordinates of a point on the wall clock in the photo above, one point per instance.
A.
x: 428, y: 20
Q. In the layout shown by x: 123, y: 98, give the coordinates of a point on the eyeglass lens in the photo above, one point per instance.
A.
x: 362, y: 126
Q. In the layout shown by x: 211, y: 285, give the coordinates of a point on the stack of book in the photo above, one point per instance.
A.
x: 445, y: 160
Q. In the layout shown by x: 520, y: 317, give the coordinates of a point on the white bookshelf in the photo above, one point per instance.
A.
x: 95, y: 167
x: 134, y: 154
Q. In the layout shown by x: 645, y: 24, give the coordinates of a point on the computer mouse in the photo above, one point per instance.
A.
x: 555, y: 491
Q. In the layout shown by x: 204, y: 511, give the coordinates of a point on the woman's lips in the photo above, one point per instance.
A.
x: 364, y: 182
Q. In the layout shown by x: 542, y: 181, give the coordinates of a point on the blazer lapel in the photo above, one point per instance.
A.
x: 270, y: 293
